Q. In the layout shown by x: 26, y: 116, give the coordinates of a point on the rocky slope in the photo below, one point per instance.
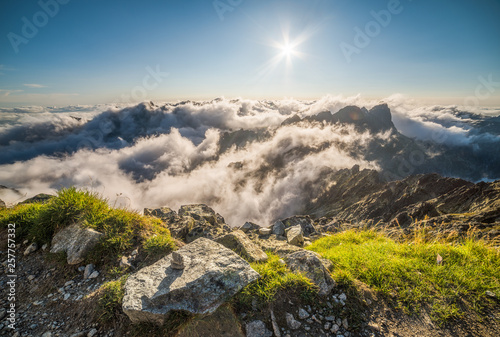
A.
x: 441, y: 204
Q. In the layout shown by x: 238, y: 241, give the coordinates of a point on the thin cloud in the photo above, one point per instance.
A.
x: 34, y: 85
x: 4, y: 92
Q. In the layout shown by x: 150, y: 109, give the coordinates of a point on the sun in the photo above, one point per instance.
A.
x: 287, y: 49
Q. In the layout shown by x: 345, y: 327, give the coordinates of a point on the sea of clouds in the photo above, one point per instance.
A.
x: 168, y: 154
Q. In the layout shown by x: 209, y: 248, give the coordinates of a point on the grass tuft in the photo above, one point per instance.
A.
x: 275, y: 276
x: 408, y: 271
x: 123, y: 229
x: 110, y: 299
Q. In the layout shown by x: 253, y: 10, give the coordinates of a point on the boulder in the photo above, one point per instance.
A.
x: 294, y: 236
x: 279, y: 228
x: 201, y: 211
x: 200, y: 221
x: 239, y: 242
x: 212, y: 274
x: 310, y: 264
x: 164, y: 213
x: 249, y: 226
x: 257, y: 329
x: 76, y: 241
x: 303, y: 220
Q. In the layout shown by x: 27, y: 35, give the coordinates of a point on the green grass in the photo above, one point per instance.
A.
x: 23, y: 216
x: 275, y: 276
x: 407, y: 272
x: 123, y: 229
x: 159, y: 244
x: 110, y: 300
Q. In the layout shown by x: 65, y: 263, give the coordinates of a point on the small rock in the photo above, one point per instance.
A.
x: 47, y: 334
x: 3, y: 313
x: 265, y: 231
x: 334, y: 328
x: 67, y: 296
x: 345, y: 323
x: 36, y: 303
x: 69, y: 283
x: 327, y: 326
x: 45, y: 246
x: 92, y: 333
x: 303, y: 314
x: 31, y: 277
x: 88, y: 270
x: 330, y: 318
x: 125, y: 262
x: 490, y: 294
x: 81, y: 269
x: 257, y: 329
x: 78, y: 334
x: 292, y: 322
x: 276, y: 328
x: 33, y: 326
x: 177, y: 261
x: 32, y: 248
x: 342, y: 297
x: 94, y: 274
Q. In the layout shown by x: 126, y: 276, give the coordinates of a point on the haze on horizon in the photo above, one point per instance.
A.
x: 63, y: 52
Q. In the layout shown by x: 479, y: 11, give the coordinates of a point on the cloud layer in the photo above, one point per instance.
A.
x: 172, y: 154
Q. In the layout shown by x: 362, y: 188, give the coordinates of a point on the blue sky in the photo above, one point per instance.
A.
x: 91, y: 51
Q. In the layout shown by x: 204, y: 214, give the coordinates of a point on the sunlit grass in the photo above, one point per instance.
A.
x: 123, y: 229
x: 408, y: 271
x: 275, y: 276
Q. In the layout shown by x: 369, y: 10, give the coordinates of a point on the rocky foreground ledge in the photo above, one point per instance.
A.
x: 196, y: 290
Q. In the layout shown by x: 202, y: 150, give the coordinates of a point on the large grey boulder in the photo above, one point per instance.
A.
x: 294, y: 236
x: 76, y: 241
x: 241, y: 244
x: 312, y: 266
x: 212, y: 274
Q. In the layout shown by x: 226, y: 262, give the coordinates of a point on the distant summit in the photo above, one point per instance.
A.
x: 377, y: 119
